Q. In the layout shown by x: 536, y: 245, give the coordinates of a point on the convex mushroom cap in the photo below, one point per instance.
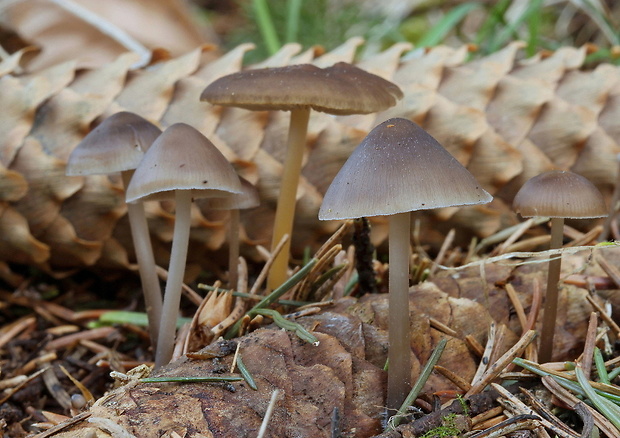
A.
x: 397, y: 168
x: 560, y: 194
x: 182, y: 159
x: 341, y: 89
x: 116, y: 145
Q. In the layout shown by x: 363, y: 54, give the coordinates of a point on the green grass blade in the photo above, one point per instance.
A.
x: 419, y: 384
x: 600, y: 366
x: 265, y: 26
x: 190, y: 379
x: 292, y: 20
x: 494, y: 19
x: 605, y: 407
x: 438, y: 33
x: 273, y: 296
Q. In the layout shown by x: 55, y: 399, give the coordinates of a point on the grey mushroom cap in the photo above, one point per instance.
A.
x: 397, y: 168
x: 182, y: 159
x: 115, y: 145
x: 560, y: 194
x: 340, y: 89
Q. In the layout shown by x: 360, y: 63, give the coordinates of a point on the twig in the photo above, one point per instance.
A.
x: 496, y: 368
x: 268, y: 413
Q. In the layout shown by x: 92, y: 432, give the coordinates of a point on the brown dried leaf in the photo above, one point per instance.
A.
x: 62, y: 36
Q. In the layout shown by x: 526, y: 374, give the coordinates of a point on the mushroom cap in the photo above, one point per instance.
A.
x: 399, y: 167
x: 340, y: 89
x: 182, y: 159
x: 116, y: 145
x: 560, y: 194
x: 248, y: 198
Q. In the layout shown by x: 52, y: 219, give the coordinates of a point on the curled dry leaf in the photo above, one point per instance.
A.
x: 62, y: 36
x: 504, y: 117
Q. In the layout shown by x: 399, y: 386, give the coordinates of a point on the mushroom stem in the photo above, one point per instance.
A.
x: 146, y: 262
x: 233, y: 248
x: 399, y: 355
x: 545, y: 350
x: 285, y: 211
x: 176, y: 270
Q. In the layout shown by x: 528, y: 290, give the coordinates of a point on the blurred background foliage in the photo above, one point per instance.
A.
x: 487, y: 25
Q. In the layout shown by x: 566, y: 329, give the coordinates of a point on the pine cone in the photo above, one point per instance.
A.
x: 503, y: 117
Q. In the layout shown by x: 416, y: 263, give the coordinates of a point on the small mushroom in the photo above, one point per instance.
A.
x: 118, y: 145
x: 341, y: 89
x: 248, y: 198
x: 181, y: 164
x: 399, y: 168
x: 558, y: 195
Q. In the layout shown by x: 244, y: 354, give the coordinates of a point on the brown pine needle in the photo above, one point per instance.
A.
x: 438, y: 325
x: 604, y: 316
x: 454, y: 378
x: 516, y: 304
x: 491, y: 413
x: 474, y: 345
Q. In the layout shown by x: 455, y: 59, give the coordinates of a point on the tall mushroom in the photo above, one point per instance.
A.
x: 341, y: 89
x: 558, y: 195
x: 181, y: 164
x: 118, y: 145
x: 399, y: 168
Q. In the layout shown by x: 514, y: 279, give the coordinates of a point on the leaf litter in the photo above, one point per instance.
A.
x: 334, y: 388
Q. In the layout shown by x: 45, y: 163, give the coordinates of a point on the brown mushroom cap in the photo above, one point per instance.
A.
x: 182, y: 159
x: 340, y: 89
x: 399, y: 167
x: 560, y: 194
x: 116, y: 145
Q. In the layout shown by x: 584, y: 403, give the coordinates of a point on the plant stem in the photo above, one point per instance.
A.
x: 545, y: 350
x: 233, y: 248
x: 285, y: 211
x: 176, y: 270
x: 399, y: 355
x: 146, y: 263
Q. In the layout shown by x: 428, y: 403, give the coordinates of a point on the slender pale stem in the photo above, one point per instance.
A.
x: 233, y: 248
x: 285, y: 211
x: 176, y: 270
x: 545, y: 351
x: 399, y: 354
x: 146, y: 263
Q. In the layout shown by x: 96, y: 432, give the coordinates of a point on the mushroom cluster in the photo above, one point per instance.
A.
x: 178, y: 163
x: 341, y: 89
x: 182, y: 164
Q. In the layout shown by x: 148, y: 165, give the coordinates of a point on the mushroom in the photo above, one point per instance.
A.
x: 399, y: 168
x: 341, y: 89
x: 118, y: 145
x: 248, y: 198
x: 558, y: 195
x: 181, y: 164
